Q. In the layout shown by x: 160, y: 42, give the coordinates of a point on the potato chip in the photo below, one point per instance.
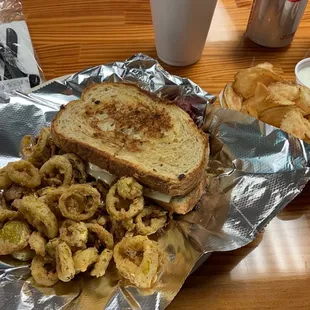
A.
x: 274, y: 116
x: 231, y: 99
x: 288, y: 91
x: 265, y: 65
x: 303, y: 102
x: 243, y: 109
x: 253, y: 104
x: 246, y: 80
x: 268, y: 97
x: 249, y: 110
x: 295, y: 124
x: 263, y: 99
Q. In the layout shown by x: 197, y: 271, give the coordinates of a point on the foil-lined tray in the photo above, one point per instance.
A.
x: 257, y: 170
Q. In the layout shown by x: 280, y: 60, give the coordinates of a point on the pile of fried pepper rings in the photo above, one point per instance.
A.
x: 63, y: 221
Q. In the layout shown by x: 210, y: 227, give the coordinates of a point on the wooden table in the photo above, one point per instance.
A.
x: 273, y: 271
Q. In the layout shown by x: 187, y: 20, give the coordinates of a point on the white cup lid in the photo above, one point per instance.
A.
x: 300, y: 78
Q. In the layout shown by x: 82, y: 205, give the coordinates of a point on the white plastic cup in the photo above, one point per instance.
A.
x: 300, y: 78
x: 181, y: 28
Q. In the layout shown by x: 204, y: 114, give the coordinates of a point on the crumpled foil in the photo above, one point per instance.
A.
x: 256, y: 171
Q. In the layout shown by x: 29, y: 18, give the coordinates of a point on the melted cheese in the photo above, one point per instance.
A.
x: 150, y: 193
x: 100, y: 174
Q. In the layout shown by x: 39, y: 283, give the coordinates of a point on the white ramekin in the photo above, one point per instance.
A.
x: 301, y: 65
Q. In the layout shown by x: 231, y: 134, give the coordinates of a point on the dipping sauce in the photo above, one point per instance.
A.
x: 304, y: 76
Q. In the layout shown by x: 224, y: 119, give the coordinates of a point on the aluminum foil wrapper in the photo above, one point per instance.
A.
x: 255, y: 171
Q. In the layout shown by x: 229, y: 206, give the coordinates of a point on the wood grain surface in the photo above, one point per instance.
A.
x: 272, y: 272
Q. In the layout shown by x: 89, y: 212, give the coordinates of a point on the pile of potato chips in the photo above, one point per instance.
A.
x: 265, y: 95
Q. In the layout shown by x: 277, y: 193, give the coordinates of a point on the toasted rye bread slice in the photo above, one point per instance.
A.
x: 128, y: 131
x: 185, y: 204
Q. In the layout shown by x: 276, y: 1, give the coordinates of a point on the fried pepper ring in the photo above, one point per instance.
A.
x: 102, y: 220
x: 150, y: 220
x: 5, y: 181
x: 141, y: 270
x: 112, y: 202
x: 45, y: 190
x: 103, y: 235
x: 64, y: 262
x: 24, y: 173
x: 129, y: 188
x: 25, y: 146
x: 40, y: 149
x: 24, y: 255
x: 57, y: 171
x: 129, y: 224
x: 16, y: 191
x: 51, y: 197
x: 37, y: 243
x: 102, y: 263
x: 83, y: 259
x: 79, y: 202
x: 8, y: 215
x: 3, y: 202
x: 50, y: 247
x: 39, y: 216
x: 118, y: 230
x: 101, y: 187
x: 79, y: 174
x: 41, y: 274
x: 74, y: 233
x: 14, y: 236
